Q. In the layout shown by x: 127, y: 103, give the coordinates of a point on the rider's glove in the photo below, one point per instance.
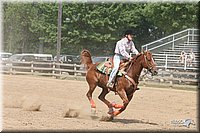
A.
x: 130, y: 58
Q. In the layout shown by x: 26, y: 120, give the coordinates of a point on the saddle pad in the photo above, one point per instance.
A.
x: 103, y: 69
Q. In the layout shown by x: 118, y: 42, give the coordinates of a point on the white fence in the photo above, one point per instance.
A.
x: 78, y: 71
x: 170, y: 61
x: 42, y: 68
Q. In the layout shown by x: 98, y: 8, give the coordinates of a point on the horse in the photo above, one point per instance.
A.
x: 124, y: 86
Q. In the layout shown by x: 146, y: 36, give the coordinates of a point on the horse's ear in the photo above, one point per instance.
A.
x: 142, y: 51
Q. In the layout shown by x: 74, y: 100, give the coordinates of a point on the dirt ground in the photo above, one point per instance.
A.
x: 39, y: 103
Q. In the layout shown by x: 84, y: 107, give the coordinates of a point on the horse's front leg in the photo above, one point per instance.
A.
x: 89, y: 96
x: 125, y: 100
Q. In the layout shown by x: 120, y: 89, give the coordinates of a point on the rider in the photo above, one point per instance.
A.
x: 123, y: 49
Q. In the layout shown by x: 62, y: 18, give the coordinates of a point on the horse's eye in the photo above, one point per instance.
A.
x: 148, y: 58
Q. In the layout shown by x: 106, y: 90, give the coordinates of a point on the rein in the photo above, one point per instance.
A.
x: 142, y: 76
x: 149, y: 65
x: 129, y: 78
x: 132, y: 62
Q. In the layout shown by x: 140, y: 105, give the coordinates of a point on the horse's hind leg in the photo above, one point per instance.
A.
x: 102, y: 98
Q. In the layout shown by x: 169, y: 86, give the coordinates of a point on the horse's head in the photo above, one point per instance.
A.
x: 149, y: 63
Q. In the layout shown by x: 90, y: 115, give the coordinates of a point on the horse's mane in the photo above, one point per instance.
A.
x: 128, y: 62
x: 137, y: 56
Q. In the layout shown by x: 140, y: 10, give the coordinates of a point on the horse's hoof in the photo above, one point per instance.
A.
x: 107, y: 118
x: 93, y: 112
x: 110, y: 113
x: 111, y: 110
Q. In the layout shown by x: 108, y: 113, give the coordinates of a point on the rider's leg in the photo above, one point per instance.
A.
x: 115, y: 69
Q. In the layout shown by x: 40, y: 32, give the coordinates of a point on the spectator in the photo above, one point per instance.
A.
x: 182, y: 56
x: 191, y: 57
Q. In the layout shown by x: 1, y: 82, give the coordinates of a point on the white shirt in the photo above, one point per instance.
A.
x: 124, y: 47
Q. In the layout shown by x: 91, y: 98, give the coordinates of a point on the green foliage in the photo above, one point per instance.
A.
x: 17, y: 20
x: 172, y: 17
x: 95, y: 26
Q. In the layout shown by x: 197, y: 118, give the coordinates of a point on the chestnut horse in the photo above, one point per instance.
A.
x: 123, y: 85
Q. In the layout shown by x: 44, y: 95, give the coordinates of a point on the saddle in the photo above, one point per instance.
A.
x: 107, y: 66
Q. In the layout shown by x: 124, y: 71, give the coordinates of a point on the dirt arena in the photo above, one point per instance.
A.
x: 39, y: 103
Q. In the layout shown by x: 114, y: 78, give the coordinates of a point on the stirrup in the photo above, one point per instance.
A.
x: 110, y: 85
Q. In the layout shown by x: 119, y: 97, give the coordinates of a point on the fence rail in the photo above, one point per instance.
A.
x: 169, y: 61
x: 78, y: 71
x: 172, y: 77
x: 41, y: 68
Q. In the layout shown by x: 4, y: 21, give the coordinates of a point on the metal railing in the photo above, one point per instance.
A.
x: 187, y: 35
x: 169, y: 61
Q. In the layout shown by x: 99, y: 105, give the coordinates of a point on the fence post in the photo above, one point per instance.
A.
x: 171, y: 80
x: 166, y: 61
x: 173, y: 43
x: 32, y: 67
x: 185, y: 62
x: 192, y: 34
x: 53, y: 68
x: 75, y: 70
x: 10, y: 69
x: 188, y: 39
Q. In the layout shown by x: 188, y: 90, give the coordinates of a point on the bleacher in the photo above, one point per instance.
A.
x: 166, y: 52
x: 182, y: 46
x: 172, y: 56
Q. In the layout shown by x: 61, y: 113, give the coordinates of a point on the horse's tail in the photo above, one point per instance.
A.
x: 86, y: 58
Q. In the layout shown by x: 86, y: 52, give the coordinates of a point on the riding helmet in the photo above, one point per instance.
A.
x: 128, y: 32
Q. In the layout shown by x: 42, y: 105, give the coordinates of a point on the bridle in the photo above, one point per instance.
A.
x: 149, y: 66
x: 148, y: 62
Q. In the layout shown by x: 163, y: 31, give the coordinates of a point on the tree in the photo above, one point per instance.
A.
x: 32, y: 27
x: 17, y: 35
x: 172, y: 17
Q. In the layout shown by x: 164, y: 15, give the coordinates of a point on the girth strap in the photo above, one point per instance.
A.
x: 132, y: 81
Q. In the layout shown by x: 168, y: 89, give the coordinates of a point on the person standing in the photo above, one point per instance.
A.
x: 182, y: 57
x: 191, y: 57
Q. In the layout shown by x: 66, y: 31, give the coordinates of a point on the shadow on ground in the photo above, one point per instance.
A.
x: 129, y: 121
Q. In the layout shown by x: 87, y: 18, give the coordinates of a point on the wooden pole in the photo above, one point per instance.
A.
x: 59, y: 30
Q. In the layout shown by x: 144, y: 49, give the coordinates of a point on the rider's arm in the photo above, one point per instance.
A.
x: 122, y: 50
x: 134, y: 50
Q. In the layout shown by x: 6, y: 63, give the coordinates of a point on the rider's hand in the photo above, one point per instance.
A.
x: 130, y: 58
